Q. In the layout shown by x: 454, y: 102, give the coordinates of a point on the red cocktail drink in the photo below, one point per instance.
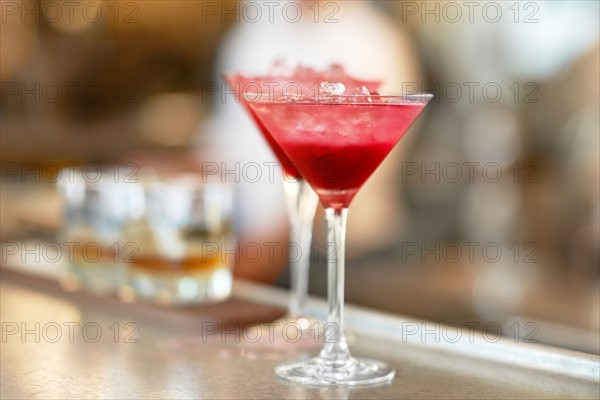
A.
x: 337, y: 147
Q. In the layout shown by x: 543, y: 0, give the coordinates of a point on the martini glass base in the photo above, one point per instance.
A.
x: 356, y: 371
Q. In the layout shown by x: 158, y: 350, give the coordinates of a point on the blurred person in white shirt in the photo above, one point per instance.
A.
x: 369, y: 46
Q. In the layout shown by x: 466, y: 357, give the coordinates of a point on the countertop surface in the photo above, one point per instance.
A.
x: 64, y: 345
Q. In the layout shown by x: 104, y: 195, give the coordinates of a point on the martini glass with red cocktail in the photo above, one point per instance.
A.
x: 336, y: 142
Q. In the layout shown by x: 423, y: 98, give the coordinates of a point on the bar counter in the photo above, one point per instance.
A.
x: 57, y: 344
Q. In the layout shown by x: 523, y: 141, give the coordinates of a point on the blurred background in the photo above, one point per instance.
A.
x: 488, y: 211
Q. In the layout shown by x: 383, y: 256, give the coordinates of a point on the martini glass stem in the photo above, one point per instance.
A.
x: 302, y: 203
x: 335, y: 352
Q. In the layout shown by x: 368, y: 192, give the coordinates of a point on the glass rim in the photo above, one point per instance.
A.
x: 330, y: 99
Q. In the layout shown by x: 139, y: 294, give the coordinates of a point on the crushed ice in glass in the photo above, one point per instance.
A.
x: 308, y: 85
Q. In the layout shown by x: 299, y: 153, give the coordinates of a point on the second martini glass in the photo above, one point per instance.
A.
x: 300, y: 197
x: 337, y: 143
